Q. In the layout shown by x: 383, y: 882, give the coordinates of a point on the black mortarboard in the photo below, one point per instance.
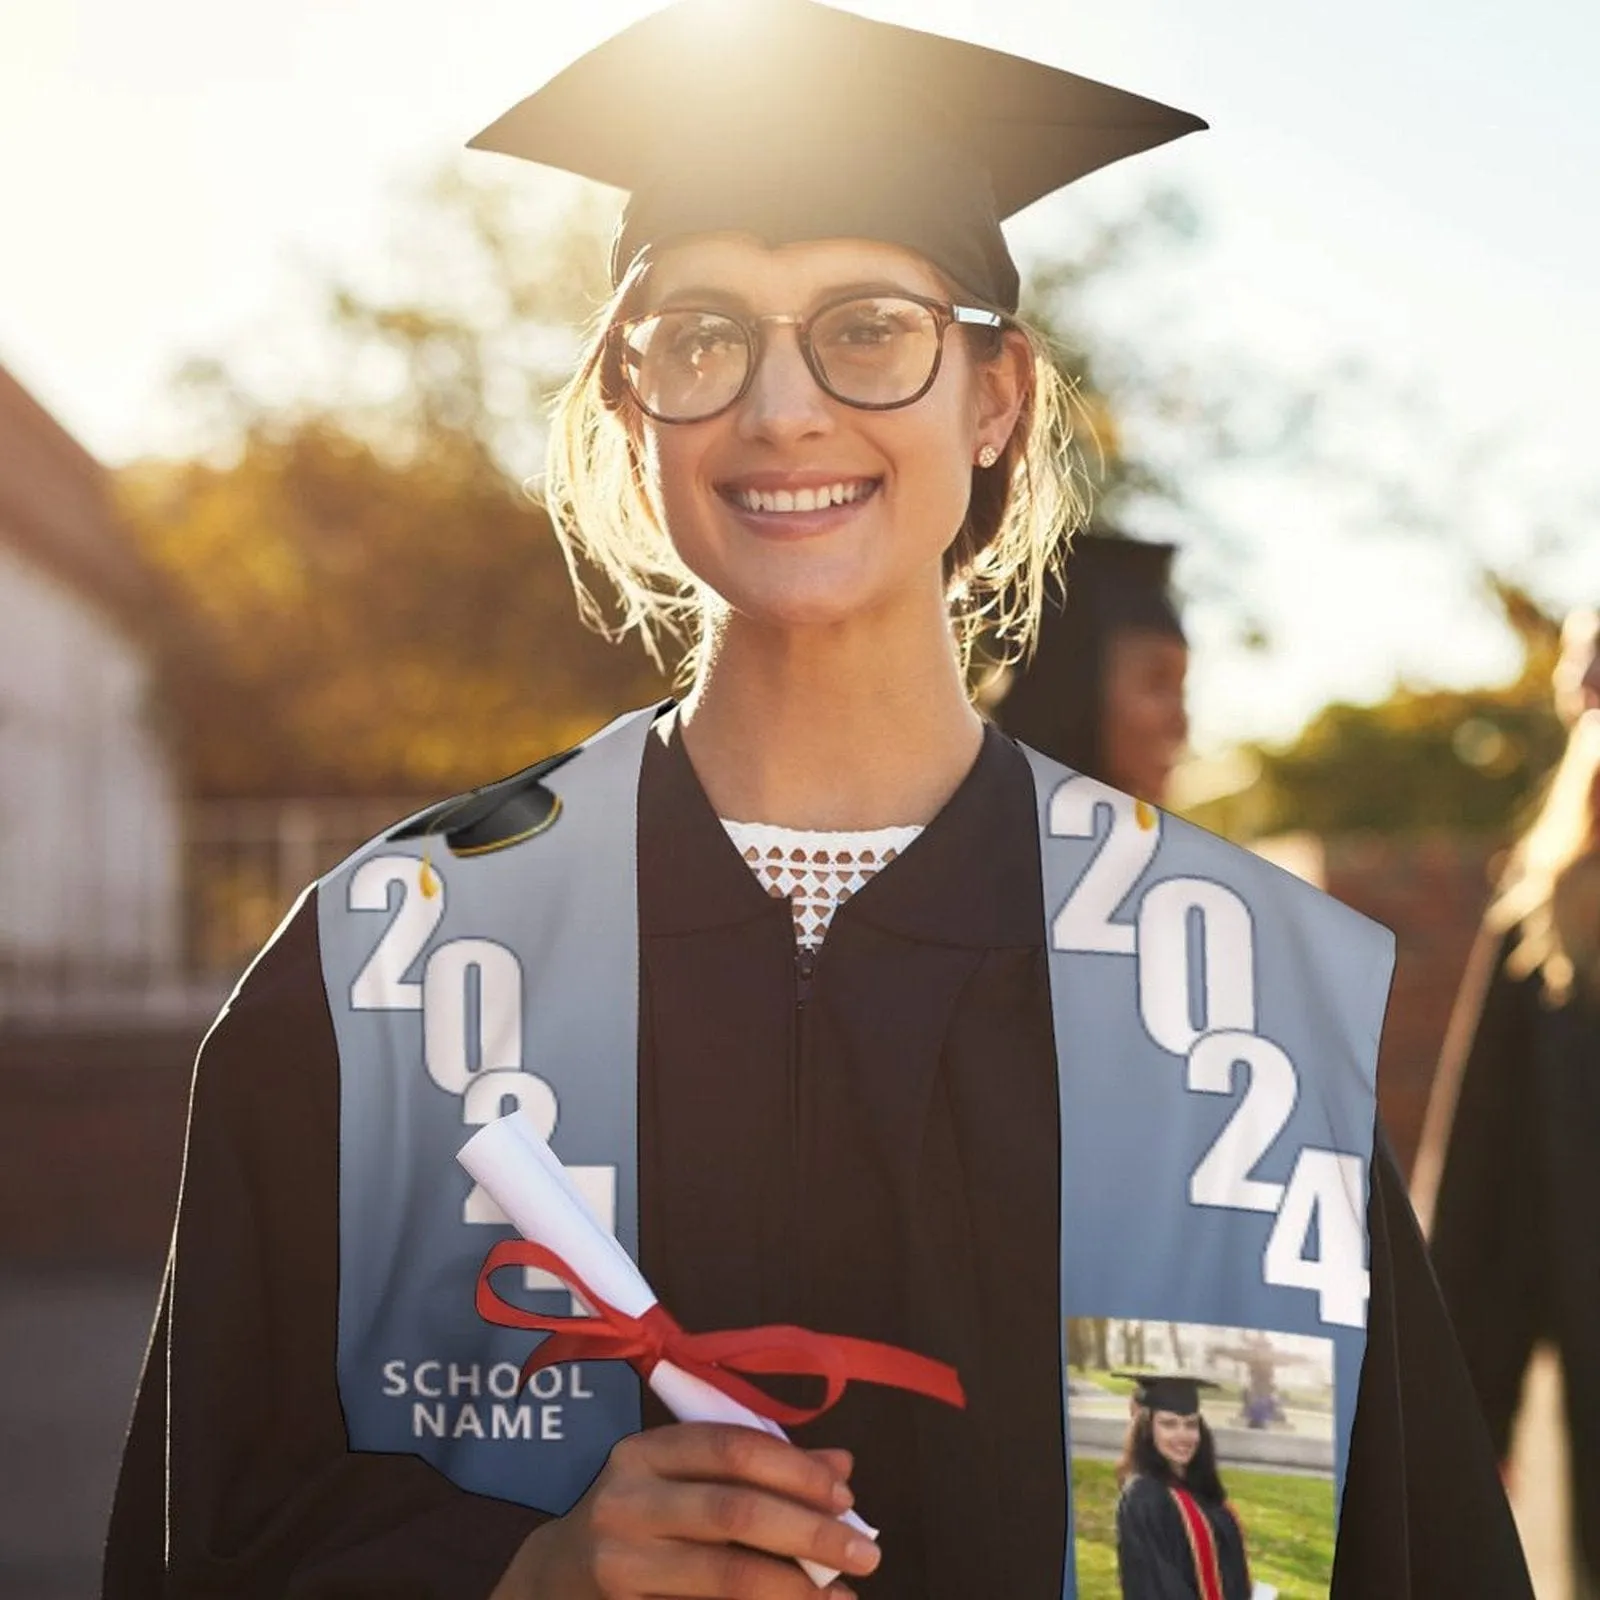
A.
x: 495, y: 816
x: 1172, y: 1392
x: 1055, y: 700
x: 792, y: 120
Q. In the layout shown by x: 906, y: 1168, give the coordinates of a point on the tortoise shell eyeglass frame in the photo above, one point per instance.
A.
x: 622, y: 357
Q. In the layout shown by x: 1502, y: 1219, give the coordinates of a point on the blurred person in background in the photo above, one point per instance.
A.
x: 1509, y: 1165
x: 1103, y: 692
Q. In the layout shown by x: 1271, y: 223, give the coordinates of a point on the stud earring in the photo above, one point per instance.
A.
x: 988, y: 455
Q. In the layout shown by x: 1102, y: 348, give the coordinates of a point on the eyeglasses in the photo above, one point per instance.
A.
x: 875, y: 352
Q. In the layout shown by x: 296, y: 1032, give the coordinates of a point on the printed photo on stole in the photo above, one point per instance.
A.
x: 1231, y: 1500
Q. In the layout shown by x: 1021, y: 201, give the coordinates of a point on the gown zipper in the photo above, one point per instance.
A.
x: 805, y: 966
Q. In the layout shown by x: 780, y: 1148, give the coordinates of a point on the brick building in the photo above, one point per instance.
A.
x: 90, y: 808
x: 94, y: 1052
x: 1431, y: 890
x: 91, y: 918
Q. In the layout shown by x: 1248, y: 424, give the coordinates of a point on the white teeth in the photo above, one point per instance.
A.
x: 818, y: 499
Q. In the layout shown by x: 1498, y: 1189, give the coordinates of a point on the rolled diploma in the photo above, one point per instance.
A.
x: 519, y: 1171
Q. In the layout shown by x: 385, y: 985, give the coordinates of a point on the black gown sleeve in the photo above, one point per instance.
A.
x: 237, y: 1479
x: 1424, y: 1515
x: 1489, y: 1222
x: 1154, y: 1559
x: 1233, y: 1562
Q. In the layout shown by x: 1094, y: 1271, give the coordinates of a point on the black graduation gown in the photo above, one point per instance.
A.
x: 1514, y: 1133
x: 1154, y: 1557
x: 870, y: 1151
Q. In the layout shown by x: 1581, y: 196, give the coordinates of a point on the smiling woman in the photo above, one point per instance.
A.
x: 860, y: 1024
x: 874, y: 336
x: 1176, y: 1533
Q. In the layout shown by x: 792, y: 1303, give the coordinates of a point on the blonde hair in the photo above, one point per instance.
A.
x: 1551, y: 890
x: 1022, y: 514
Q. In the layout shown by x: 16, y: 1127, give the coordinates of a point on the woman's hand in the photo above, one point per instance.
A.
x: 697, y: 1510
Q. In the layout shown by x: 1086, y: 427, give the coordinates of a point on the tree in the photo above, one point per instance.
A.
x: 362, y: 595
x: 1161, y: 417
x: 354, y: 625
x: 1130, y: 389
x: 1089, y: 1343
x: 1464, y: 759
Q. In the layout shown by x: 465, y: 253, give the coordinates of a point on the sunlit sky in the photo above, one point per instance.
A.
x: 1409, y: 183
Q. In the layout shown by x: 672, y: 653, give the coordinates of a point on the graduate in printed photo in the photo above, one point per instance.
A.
x: 1177, y: 1538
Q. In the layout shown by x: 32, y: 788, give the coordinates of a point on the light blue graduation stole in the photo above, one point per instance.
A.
x: 1216, y: 1024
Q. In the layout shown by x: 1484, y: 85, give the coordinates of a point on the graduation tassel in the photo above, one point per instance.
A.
x: 427, y: 878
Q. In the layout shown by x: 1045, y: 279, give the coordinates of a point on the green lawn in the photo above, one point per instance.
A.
x: 1288, y: 1529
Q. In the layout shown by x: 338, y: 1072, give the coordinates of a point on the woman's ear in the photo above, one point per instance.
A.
x: 1002, y: 385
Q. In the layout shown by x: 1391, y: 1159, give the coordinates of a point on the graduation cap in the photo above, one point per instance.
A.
x: 1172, y: 1392
x: 493, y: 817
x: 1124, y: 583
x: 1055, y: 700
x: 792, y: 120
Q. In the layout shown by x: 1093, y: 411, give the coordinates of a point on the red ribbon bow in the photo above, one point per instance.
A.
x: 718, y: 1358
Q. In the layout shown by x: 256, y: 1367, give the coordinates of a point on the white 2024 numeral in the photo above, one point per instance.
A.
x: 381, y: 985
x: 470, y: 997
x: 1328, y: 1188
x: 1212, y: 1026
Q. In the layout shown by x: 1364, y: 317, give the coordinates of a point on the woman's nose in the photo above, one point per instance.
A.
x: 1175, y: 716
x: 1590, y: 686
x: 784, y: 400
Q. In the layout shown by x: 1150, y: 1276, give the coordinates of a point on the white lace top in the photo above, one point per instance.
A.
x: 815, y: 871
